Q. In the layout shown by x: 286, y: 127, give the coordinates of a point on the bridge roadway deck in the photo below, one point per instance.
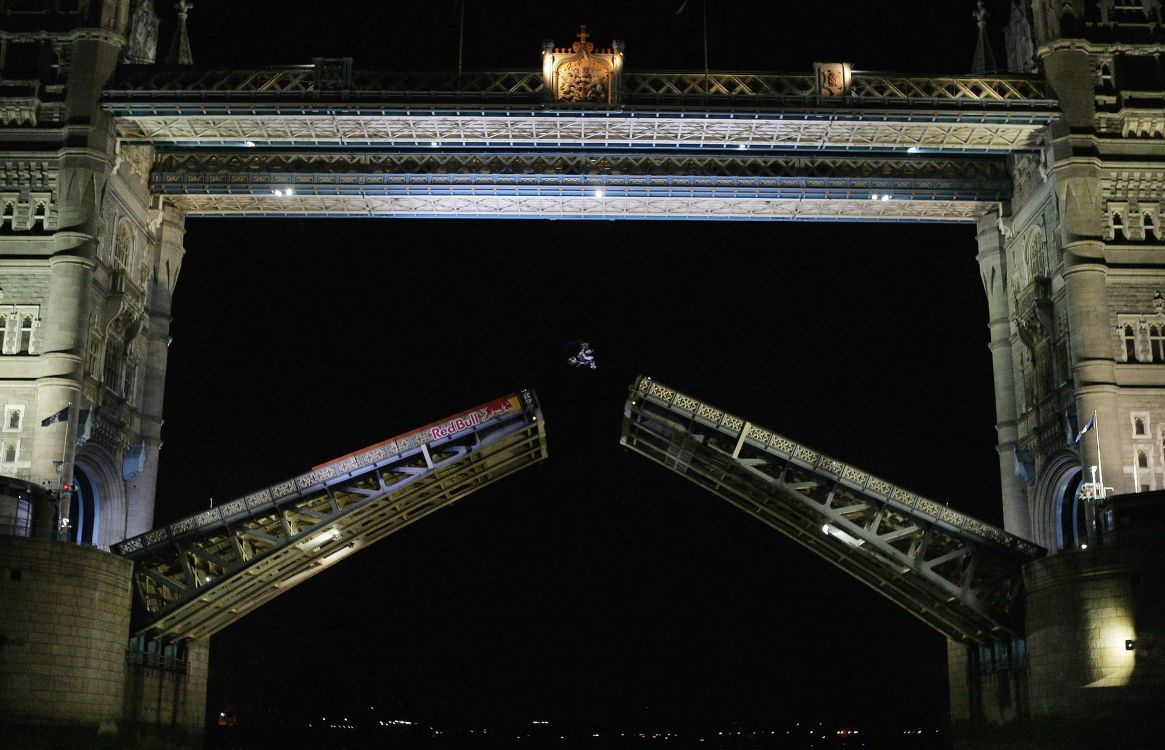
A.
x: 955, y: 573
x: 197, y: 575
x: 747, y: 146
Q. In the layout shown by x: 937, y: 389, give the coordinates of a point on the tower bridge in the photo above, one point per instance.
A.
x: 104, y: 154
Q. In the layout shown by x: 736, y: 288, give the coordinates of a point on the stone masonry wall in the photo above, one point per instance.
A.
x: 64, y: 624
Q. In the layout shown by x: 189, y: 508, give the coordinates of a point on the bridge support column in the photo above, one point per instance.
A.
x: 59, y: 383
x: 1016, y: 516
x: 140, y: 489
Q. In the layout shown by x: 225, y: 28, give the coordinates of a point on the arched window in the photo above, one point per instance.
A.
x: 1138, y: 426
x: 25, y: 334
x: 9, y: 451
x: 1142, y: 460
x: 1130, y: 338
x: 114, y: 364
x: 1157, y: 342
x: 14, y: 419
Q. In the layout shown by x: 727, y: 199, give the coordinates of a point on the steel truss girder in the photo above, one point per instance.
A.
x: 698, y: 89
x: 486, y: 203
x: 436, y: 164
x: 576, y: 174
x: 198, y: 575
x: 958, y: 575
x: 785, y: 131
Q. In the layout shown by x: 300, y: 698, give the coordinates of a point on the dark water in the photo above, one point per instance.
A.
x: 350, y: 737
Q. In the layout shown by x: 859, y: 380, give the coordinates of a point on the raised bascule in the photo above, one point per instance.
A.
x: 1054, y: 621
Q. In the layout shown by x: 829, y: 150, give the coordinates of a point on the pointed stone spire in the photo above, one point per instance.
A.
x: 180, y: 48
x: 984, y: 58
x: 142, y: 38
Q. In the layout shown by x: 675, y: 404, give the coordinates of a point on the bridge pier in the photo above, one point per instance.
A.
x: 67, y: 676
x: 1090, y: 671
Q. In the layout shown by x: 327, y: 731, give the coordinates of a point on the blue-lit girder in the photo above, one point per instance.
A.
x: 955, y: 573
x: 200, y: 574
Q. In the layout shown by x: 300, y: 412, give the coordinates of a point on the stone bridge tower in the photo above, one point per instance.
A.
x: 88, y: 261
x: 1074, y: 271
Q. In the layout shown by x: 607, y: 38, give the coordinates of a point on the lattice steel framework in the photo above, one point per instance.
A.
x: 198, y: 575
x: 639, y: 185
x: 488, y: 205
x: 511, y: 128
x: 957, y: 574
x: 154, y: 85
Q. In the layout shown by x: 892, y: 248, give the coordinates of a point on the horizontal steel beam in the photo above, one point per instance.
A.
x: 487, y: 203
x: 824, y: 131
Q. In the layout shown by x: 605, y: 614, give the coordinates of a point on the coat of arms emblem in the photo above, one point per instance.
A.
x: 581, y: 73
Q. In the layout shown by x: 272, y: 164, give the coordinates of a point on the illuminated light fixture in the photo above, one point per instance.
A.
x: 599, y: 193
x: 338, y: 555
x: 283, y: 193
x: 1083, y: 546
x: 1130, y: 645
x: 433, y: 144
x: 886, y: 197
x: 742, y: 147
x: 837, y: 533
x: 874, y: 196
x: 327, y: 535
x: 912, y: 150
x: 249, y: 144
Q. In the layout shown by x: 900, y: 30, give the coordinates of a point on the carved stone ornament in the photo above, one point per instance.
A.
x: 833, y: 79
x: 142, y: 39
x: 582, y: 73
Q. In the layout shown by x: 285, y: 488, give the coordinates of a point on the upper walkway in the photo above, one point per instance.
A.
x: 325, y: 140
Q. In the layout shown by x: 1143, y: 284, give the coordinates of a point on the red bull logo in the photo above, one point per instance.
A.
x: 473, y: 418
x: 444, y: 429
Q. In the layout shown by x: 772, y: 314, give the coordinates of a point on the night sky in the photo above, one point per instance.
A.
x: 596, y: 587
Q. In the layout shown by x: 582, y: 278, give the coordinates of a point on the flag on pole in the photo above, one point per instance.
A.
x: 1025, y: 466
x: 61, y: 416
x: 134, y: 461
x: 1087, y: 427
x: 84, y: 426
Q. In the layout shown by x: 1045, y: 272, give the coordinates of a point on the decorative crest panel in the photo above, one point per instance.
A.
x: 582, y: 73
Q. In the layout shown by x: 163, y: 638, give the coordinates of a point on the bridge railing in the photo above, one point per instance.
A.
x: 341, y: 82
